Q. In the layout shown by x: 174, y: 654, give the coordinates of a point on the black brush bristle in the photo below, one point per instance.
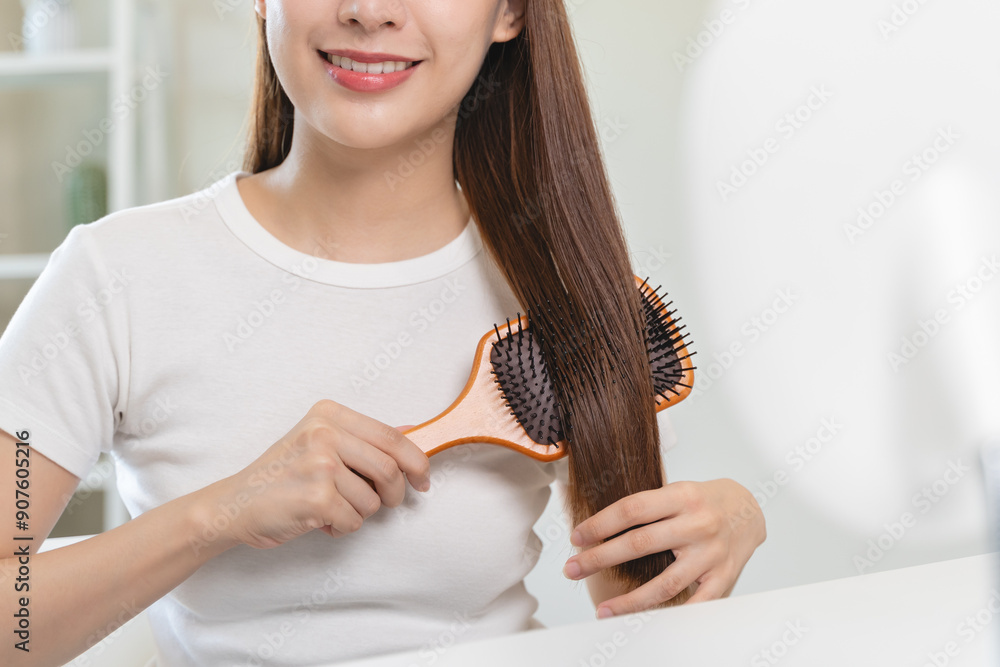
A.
x: 662, y: 341
x: 520, y: 372
x: 528, y: 384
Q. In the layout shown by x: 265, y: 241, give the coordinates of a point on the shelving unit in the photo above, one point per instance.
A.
x: 16, y: 267
x: 14, y: 66
x: 112, y: 66
x: 116, y: 64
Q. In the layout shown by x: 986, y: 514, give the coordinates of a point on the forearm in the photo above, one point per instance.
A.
x: 81, y: 593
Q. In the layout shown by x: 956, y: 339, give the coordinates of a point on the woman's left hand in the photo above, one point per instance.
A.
x: 712, y: 527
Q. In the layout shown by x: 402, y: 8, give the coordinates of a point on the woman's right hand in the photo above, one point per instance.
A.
x: 307, y: 479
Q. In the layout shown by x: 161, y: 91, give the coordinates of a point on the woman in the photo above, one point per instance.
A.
x: 345, y: 276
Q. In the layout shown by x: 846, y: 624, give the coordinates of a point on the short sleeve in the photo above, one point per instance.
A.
x: 668, y: 438
x: 63, y: 356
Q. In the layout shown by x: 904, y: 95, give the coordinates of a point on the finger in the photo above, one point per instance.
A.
x: 341, y: 517
x: 409, y: 458
x: 636, y: 509
x: 710, y: 589
x: 370, y: 483
x: 356, y: 491
x: 729, y: 591
x: 664, y: 586
x: 331, y: 531
x: 652, y: 538
x: 374, y: 466
x: 404, y: 429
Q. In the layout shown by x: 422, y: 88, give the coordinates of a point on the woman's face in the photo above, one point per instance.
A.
x: 449, y: 38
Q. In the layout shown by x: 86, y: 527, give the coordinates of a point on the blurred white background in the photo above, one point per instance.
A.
x: 815, y: 184
x: 748, y: 133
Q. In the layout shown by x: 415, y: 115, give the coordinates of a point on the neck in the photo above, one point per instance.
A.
x: 361, y: 205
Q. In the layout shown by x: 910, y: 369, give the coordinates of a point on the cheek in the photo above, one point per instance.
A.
x: 459, y: 32
x: 289, y: 55
x: 453, y: 71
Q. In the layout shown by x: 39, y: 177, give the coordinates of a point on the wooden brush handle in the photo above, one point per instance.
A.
x: 480, y: 414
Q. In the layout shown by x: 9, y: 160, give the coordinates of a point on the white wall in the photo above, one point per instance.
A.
x: 860, y: 292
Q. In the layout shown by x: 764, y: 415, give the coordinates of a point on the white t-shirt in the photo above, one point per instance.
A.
x: 185, y: 339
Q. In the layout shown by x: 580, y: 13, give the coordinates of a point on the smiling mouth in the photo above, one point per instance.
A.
x: 386, y: 67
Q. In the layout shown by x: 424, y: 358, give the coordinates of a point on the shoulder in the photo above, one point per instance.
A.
x: 153, y: 226
x: 185, y: 210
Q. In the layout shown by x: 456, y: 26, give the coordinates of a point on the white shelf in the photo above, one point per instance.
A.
x: 31, y: 65
x: 22, y: 266
x: 117, y: 67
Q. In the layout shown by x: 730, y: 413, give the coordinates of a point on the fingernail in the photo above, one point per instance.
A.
x: 604, y: 612
x: 426, y: 486
x: 576, y: 538
x: 572, y: 569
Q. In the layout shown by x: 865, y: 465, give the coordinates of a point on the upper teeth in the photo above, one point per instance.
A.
x: 386, y: 67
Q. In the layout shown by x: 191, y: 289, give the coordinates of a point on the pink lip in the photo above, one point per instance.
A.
x: 364, y: 82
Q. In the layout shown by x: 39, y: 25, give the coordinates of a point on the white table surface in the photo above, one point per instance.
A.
x: 920, y: 616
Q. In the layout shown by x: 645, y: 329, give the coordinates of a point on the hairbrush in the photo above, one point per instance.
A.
x: 510, y: 400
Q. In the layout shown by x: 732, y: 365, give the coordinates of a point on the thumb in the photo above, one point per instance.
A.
x: 404, y: 429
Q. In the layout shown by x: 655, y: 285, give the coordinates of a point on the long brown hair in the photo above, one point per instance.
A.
x: 527, y: 157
